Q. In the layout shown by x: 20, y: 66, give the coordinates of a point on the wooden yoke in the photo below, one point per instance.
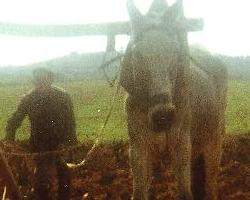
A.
x: 109, y: 29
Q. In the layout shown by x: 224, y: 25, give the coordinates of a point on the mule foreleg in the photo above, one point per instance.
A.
x: 180, y: 149
x: 212, y: 155
x: 141, y: 166
x: 140, y: 155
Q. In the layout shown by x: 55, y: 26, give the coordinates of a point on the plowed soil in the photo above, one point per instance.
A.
x: 107, y: 174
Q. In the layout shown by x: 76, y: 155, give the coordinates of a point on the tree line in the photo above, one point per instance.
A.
x: 77, y: 67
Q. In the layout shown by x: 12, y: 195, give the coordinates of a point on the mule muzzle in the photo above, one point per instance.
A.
x: 161, y: 117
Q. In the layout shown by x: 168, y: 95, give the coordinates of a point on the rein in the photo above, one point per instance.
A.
x: 105, y: 64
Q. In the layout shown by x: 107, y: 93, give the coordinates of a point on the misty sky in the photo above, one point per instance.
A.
x: 226, y: 31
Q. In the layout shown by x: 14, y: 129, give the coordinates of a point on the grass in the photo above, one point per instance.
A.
x: 238, y: 106
x: 92, y: 100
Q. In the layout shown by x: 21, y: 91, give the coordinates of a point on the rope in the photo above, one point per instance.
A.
x: 105, y: 64
x: 46, y: 153
x: 95, y: 145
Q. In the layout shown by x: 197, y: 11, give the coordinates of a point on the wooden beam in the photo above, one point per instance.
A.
x: 113, y: 28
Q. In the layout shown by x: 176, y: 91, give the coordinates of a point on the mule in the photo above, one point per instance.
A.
x: 174, y: 104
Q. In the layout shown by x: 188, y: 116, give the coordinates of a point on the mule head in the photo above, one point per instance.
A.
x: 152, y: 60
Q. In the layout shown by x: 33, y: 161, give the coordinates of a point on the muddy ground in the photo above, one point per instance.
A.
x: 107, y: 175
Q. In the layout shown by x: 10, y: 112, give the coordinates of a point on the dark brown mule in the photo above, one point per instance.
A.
x: 172, y: 103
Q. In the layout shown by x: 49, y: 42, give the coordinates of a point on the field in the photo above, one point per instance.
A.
x: 107, y: 174
x: 92, y: 101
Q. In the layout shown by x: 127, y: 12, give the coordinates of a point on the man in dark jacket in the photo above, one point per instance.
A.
x: 51, y: 117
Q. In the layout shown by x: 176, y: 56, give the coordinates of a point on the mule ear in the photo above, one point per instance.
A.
x: 127, y: 74
x: 157, y: 7
x: 175, y: 12
x: 134, y: 14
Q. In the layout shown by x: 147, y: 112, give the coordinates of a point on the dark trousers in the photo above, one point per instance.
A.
x: 41, y: 187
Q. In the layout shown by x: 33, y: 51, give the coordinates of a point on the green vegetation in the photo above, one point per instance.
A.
x: 92, y: 100
x: 238, y: 107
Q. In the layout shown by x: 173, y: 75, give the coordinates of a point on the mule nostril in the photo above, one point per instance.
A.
x: 162, y: 118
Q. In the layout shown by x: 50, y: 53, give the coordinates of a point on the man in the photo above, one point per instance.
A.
x: 51, y: 117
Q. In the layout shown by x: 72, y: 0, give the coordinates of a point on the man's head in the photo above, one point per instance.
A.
x: 42, y: 78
